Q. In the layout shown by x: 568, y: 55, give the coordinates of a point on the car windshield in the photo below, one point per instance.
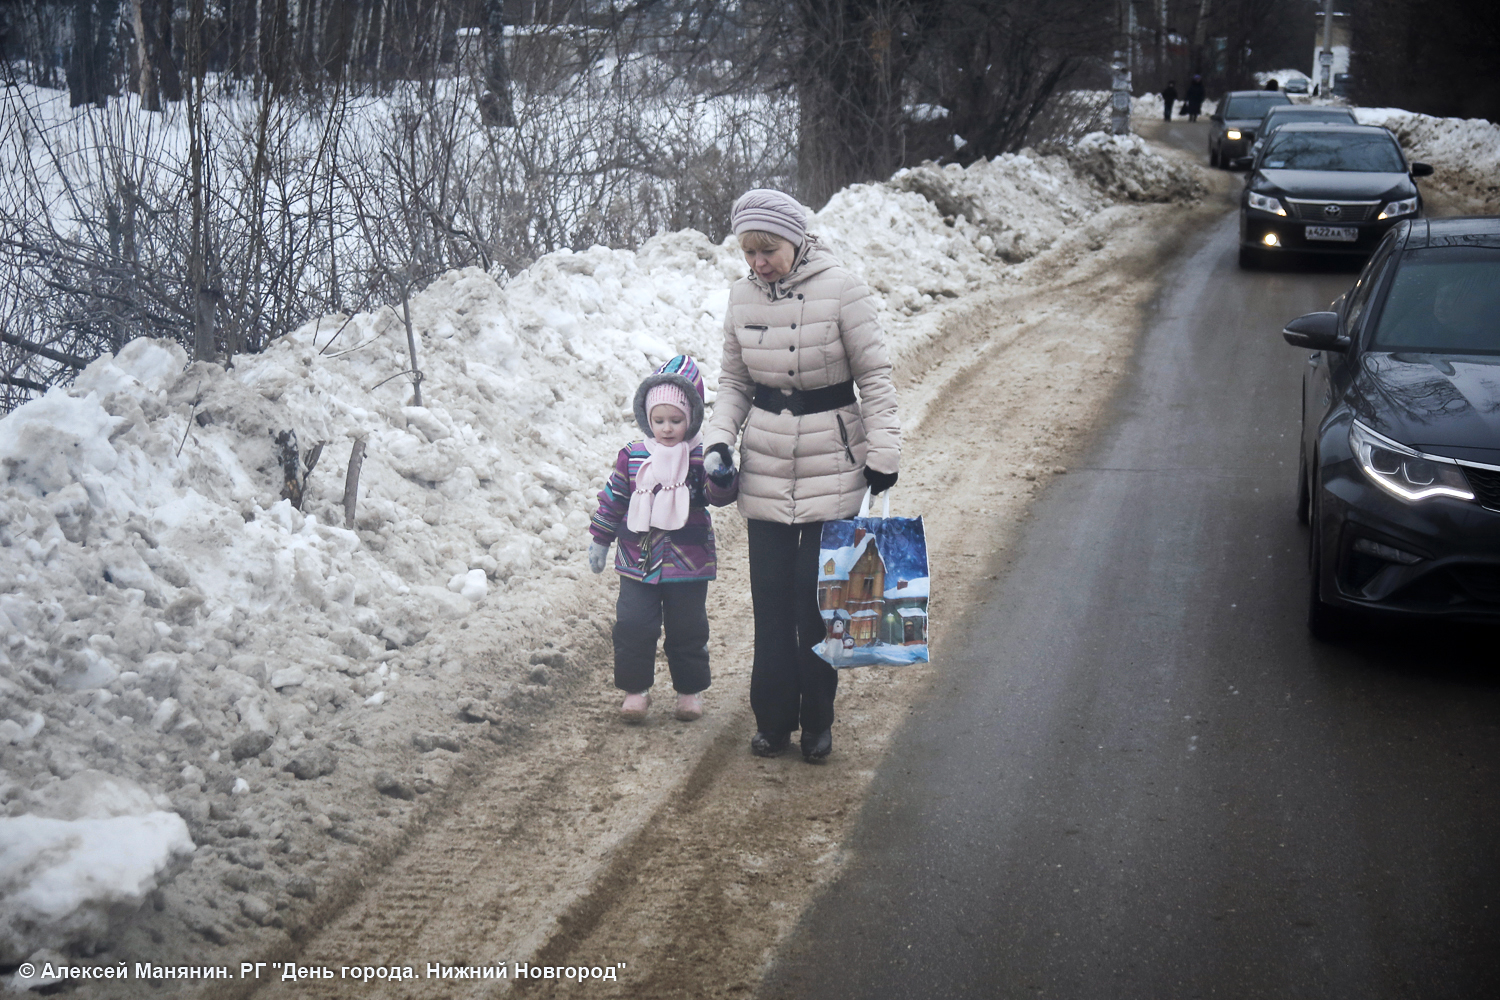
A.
x: 1372, y: 152
x: 1444, y: 300
x: 1254, y: 106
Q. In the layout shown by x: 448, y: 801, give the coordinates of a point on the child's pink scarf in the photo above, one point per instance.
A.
x: 661, y: 498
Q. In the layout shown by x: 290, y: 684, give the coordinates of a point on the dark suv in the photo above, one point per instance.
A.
x: 1233, y: 126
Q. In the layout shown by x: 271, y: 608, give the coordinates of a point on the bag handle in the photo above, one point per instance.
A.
x: 864, y: 504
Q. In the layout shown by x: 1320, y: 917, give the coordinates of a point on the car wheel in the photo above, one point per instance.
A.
x: 1213, y: 157
x: 1249, y: 258
x: 1325, y: 622
x: 1304, y: 495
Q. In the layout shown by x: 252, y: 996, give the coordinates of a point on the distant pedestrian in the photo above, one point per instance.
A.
x: 1273, y: 84
x: 1168, y: 98
x: 1192, y: 104
x: 800, y: 334
x: 655, y: 504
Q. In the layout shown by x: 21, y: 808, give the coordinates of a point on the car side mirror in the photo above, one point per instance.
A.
x: 1317, y: 331
x: 1242, y: 162
x: 1216, y: 117
x: 1421, y: 169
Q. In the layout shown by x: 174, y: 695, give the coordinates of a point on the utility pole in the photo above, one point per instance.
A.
x: 1162, y: 15
x: 1119, y: 119
x: 1325, y: 57
x: 1200, y: 34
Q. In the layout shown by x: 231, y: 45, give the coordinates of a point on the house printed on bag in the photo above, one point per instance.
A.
x: 858, y: 607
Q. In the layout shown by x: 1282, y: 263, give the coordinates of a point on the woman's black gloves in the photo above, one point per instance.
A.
x: 719, y: 464
x: 879, y: 481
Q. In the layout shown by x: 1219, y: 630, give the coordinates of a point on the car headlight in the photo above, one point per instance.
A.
x: 1404, y: 472
x: 1404, y: 207
x: 1233, y: 134
x: 1266, y: 204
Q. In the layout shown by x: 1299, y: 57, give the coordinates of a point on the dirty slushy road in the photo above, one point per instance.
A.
x: 1138, y: 775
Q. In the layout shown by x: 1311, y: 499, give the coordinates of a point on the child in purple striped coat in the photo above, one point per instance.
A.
x: 656, y: 505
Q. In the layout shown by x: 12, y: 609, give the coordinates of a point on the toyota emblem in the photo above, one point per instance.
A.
x: 1332, y: 211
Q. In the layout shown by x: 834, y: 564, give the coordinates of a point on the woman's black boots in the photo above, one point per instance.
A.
x: 816, y: 746
x: 765, y: 744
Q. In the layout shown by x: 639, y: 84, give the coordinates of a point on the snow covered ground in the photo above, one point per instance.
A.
x: 168, y: 619
x: 90, y: 851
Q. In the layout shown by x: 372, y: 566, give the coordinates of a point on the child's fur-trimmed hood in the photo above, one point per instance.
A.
x: 682, y: 371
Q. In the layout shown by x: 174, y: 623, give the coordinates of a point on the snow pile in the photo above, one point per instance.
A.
x: 1128, y: 169
x: 169, y: 614
x: 1464, y: 152
x: 93, y: 847
x: 159, y: 590
x: 1016, y: 205
x: 1010, y: 207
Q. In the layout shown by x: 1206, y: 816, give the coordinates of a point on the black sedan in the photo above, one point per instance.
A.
x: 1286, y: 114
x: 1399, y: 472
x: 1326, y: 189
x: 1232, y: 127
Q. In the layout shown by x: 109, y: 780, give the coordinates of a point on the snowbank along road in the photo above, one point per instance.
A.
x: 395, y: 744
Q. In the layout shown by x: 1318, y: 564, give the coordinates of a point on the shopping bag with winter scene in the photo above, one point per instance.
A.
x: 872, y: 590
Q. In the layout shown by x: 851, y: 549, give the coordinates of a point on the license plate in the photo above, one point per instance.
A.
x: 1344, y: 234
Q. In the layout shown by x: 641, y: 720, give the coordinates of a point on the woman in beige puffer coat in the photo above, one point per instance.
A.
x: 800, y: 335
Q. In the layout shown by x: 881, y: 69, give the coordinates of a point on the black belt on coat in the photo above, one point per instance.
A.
x: 802, y: 401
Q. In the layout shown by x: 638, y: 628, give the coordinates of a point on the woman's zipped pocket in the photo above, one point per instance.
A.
x: 762, y: 330
x: 844, y: 433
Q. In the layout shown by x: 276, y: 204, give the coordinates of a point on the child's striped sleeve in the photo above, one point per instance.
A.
x: 614, y: 501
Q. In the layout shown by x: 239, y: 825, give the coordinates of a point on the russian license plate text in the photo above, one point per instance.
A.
x: 1344, y: 234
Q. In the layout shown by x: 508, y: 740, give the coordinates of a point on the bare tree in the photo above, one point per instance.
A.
x: 850, y: 75
x: 1450, y: 51
x: 996, y: 67
x: 987, y: 69
x: 200, y: 191
x: 1253, y: 35
x: 156, y: 76
x: 95, y: 26
x: 495, y: 100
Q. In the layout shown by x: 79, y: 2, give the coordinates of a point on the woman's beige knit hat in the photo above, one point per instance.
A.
x: 772, y: 212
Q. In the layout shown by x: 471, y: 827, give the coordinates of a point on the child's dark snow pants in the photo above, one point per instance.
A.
x: 640, y: 612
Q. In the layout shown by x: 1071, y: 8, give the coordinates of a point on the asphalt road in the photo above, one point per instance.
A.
x: 1139, y: 776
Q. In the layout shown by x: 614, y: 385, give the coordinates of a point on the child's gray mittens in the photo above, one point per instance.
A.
x: 598, y: 557
x: 718, y: 463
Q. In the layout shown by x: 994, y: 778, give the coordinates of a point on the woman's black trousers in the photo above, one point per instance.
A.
x: 790, y: 686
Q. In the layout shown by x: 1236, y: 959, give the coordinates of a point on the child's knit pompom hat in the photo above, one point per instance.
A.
x: 681, y: 372
x: 668, y: 394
